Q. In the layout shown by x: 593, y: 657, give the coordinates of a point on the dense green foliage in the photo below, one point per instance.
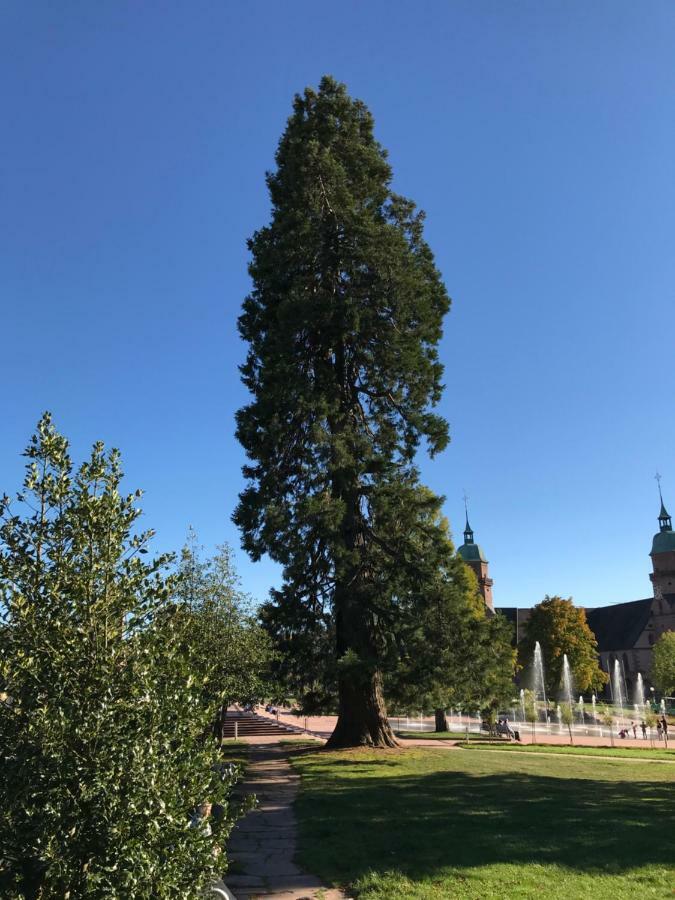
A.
x: 102, y: 763
x: 663, y: 663
x: 342, y: 326
x: 230, y: 654
x: 431, y: 824
x: 303, y: 668
x: 452, y: 652
x: 561, y: 628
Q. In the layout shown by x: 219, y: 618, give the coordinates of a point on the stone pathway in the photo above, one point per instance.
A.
x: 262, y: 845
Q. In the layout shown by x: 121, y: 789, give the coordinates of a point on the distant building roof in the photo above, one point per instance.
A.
x: 471, y: 553
x: 663, y: 542
x: 509, y: 612
x: 619, y: 626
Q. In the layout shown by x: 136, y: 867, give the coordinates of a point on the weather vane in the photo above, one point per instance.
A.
x: 657, y: 477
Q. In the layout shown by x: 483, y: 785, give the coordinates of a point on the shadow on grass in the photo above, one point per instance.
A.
x: 353, y: 822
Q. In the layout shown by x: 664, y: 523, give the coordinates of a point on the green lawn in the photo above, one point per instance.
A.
x: 433, y: 735
x: 575, y: 749
x: 425, y: 824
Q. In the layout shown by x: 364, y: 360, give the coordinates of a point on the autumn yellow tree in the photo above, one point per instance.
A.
x: 561, y: 628
x: 663, y: 666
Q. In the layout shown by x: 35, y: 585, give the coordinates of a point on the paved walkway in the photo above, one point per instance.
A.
x: 323, y: 726
x: 262, y: 845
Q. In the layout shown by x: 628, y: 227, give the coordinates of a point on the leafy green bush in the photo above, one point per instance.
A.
x: 102, y: 763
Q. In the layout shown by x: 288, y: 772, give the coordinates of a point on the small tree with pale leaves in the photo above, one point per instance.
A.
x: 567, y: 718
x: 230, y: 652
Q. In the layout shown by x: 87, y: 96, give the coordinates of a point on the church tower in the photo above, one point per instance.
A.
x: 473, y: 556
x: 663, y: 562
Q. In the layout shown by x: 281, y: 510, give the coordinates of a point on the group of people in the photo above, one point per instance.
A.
x: 504, y: 728
x: 661, y: 729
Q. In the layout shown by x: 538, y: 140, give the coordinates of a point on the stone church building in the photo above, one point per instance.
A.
x: 624, y: 631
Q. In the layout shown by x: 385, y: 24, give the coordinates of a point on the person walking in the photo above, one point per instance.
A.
x: 643, y: 726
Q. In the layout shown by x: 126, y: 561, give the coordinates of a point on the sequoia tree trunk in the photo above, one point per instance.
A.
x: 362, y: 715
x: 441, y: 720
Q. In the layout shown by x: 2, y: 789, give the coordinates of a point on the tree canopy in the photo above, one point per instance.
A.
x: 663, y: 663
x: 453, y: 652
x: 101, y: 718
x: 230, y: 653
x: 561, y: 628
x: 342, y: 326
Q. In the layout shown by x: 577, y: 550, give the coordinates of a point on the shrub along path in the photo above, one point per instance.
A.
x: 263, y: 844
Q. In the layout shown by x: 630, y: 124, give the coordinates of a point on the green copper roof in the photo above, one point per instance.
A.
x: 472, y: 553
x: 663, y: 542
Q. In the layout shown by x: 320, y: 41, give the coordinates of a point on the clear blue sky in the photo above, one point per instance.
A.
x: 538, y: 136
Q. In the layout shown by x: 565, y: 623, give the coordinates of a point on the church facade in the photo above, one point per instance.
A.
x: 625, y: 632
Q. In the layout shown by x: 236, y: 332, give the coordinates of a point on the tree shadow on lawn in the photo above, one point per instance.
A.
x: 422, y: 824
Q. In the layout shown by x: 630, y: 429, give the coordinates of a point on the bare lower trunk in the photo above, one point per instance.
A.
x: 219, y: 724
x: 441, y: 720
x: 362, y: 717
x: 569, y: 728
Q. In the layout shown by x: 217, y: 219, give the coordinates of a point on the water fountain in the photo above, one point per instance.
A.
x: 522, y: 704
x: 539, y: 685
x: 558, y: 713
x: 595, y: 718
x: 567, y: 682
x: 617, y: 691
x: 639, y: 696
x: 580, y: 708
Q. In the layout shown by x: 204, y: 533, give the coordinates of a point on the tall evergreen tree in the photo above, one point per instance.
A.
x: 342, y: 325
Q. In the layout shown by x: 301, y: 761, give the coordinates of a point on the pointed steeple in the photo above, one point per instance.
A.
x: 468, y: 531
x: 665, y: 522
x: 474, y: 557
x: 469, y: 549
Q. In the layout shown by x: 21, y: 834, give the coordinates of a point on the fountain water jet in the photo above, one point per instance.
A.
x: 617, y: 690
x: 567, y: 682
x: 639, y: 697
x: 539, y: 685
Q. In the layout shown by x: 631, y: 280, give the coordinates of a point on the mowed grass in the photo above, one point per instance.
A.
x: 432, y: 735
x: 636, y: 753
x: 426, y: 824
